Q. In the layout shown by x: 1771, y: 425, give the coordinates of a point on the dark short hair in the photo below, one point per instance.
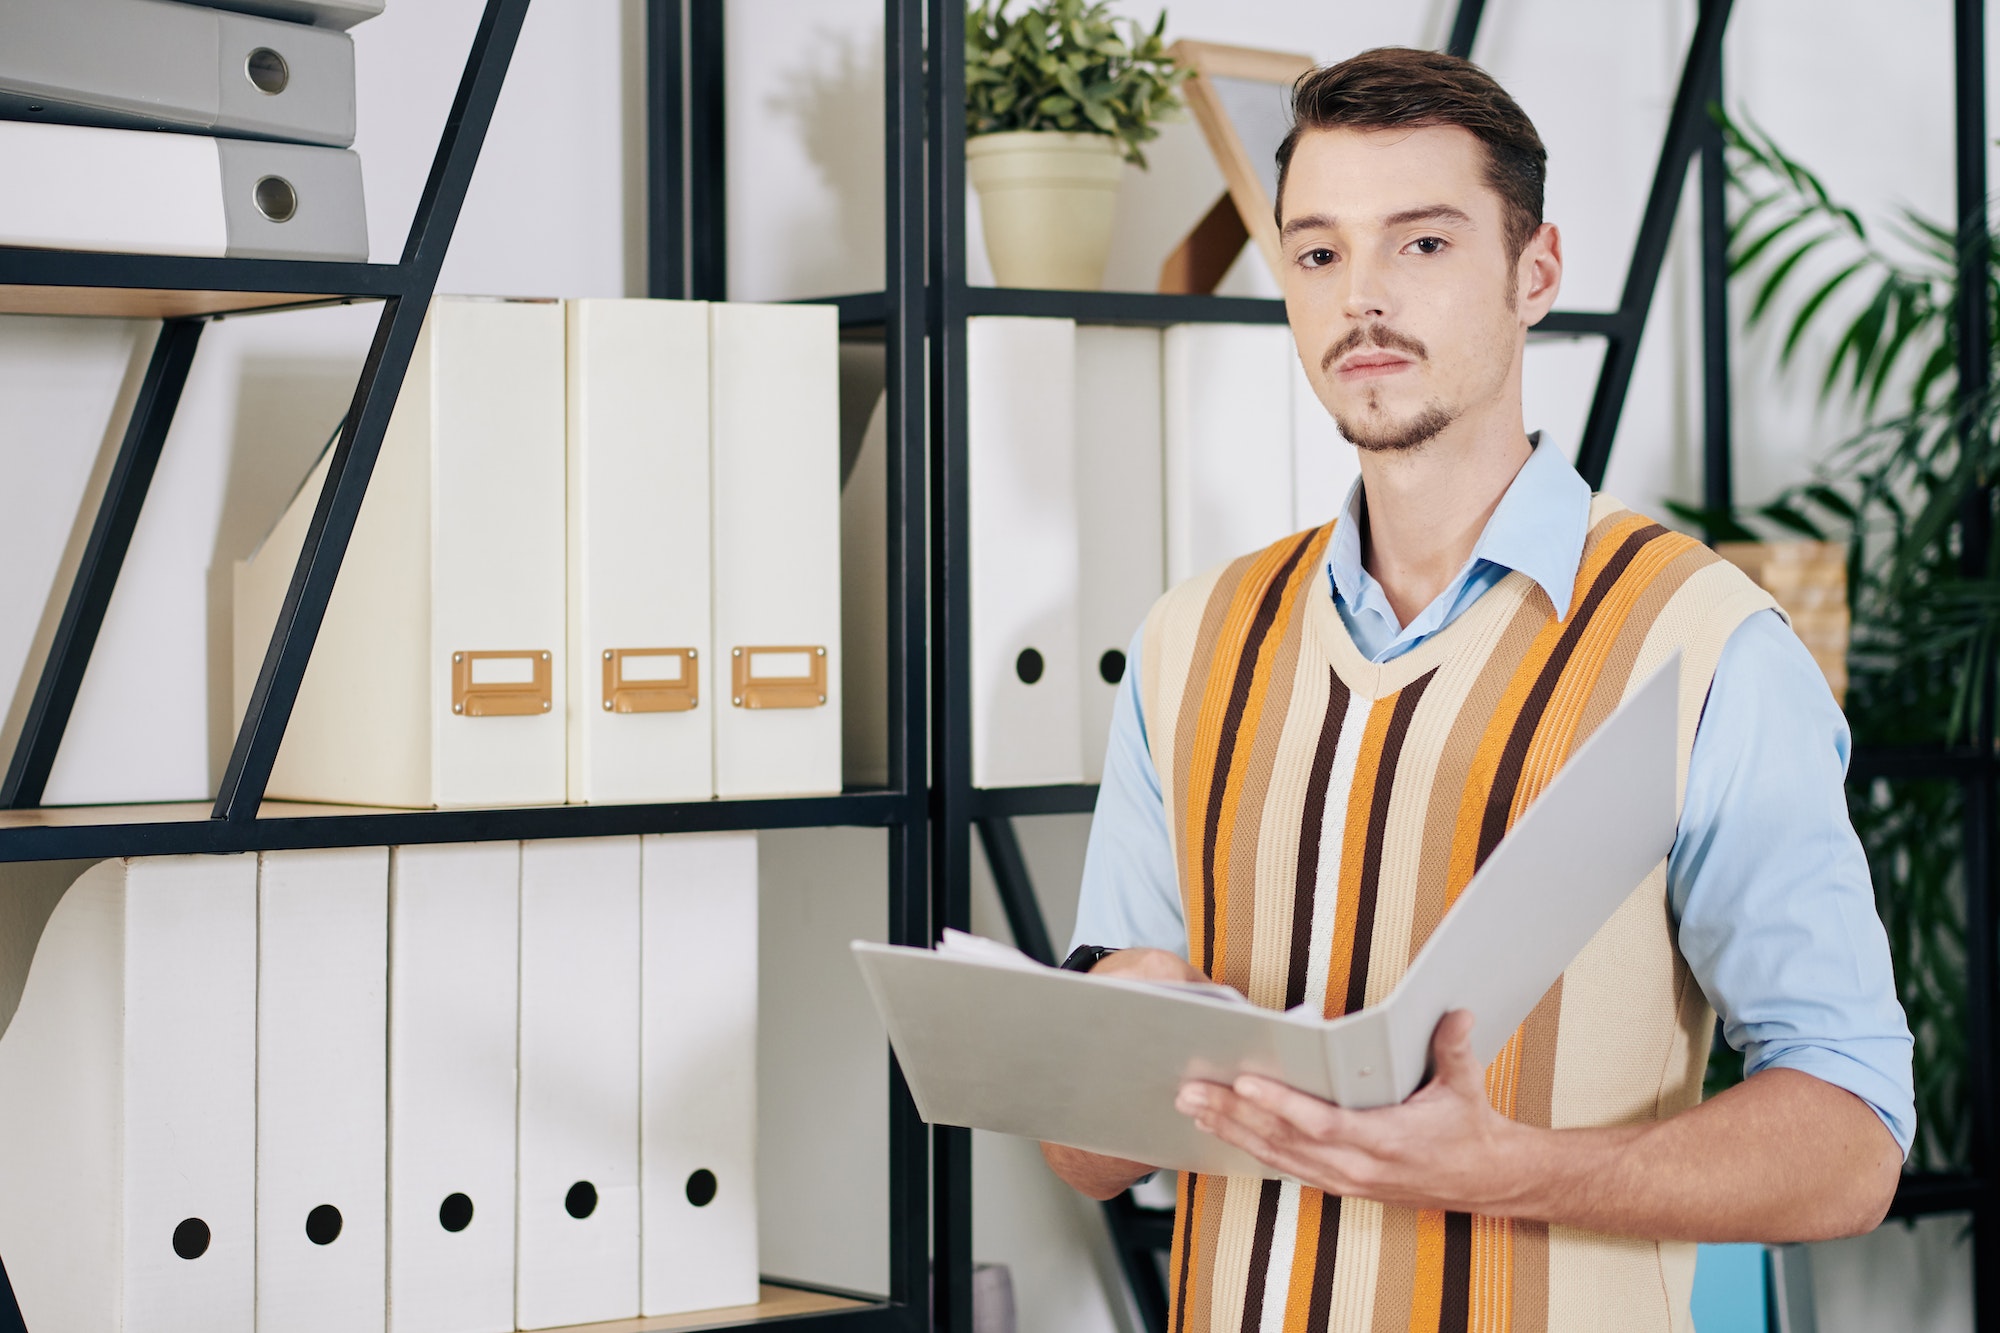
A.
x: 1396, y: 87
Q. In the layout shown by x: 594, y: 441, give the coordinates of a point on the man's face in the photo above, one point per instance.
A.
x: 1408, y: 310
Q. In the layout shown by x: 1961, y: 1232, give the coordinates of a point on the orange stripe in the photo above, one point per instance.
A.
x: 1427, y: 1300
x: 1353, y: 848
x: 1486, y: 760
x: 1244, y: 600
x: 1298, y: 1296
x: 1241, y: 758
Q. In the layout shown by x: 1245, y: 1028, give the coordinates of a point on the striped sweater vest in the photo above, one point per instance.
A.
x: 1326, y: 810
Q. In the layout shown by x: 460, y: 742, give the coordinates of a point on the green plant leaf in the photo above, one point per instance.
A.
x: 1810, y: 307
x: 1785, y: 516
x: 1780, y: 271
x: 1750, y: 253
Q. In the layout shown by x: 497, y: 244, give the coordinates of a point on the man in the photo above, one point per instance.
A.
x: 1317, y: 744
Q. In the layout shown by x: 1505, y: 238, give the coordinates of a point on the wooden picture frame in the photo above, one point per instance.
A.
x: 1240, y: 97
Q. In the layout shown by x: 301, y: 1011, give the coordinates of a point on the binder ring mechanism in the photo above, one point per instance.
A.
x: 501, y: 684
x: 779, y: 677
x: 651, y: 680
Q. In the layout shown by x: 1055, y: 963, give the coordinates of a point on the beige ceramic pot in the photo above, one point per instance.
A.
x: 1046, y: 200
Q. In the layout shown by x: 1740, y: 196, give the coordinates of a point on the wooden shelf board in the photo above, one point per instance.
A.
x: 773, y: 1303
x: 146, y: 303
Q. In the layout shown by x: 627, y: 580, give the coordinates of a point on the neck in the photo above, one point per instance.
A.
x: 1426, y: 507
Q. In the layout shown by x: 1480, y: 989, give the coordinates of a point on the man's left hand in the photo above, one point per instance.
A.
x: 1446, y: 1147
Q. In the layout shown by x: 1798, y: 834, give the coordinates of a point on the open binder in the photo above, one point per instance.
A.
x: 991, y: 1040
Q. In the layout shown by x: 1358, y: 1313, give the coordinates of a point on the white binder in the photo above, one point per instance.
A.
x: 438, y: 676
x: 1121, y: 513
x: 1020, y: 398
x: 128, y: 1104
x: 577, y: 1192
x: 80, y: 187
x: 698, y: 1042
x: 774, y: 419
x: 322, y: 1063
x: 454, y: 978
x: 153, y: 64
x: 323, y: 13
x: 1324, y: 464
x: 1228, y: 394
x: 643, y: 686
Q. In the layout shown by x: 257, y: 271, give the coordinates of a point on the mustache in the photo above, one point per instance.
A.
x: 1375, y: 335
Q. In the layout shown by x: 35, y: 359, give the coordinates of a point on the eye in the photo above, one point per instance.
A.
x: 1317, y: 257
x: 1429, y: 245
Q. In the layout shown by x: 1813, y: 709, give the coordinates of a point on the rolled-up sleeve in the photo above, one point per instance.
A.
x: 1770, y: 887
x: 1130, y: 896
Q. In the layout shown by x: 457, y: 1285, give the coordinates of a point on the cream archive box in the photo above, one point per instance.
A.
x: 438, y: 678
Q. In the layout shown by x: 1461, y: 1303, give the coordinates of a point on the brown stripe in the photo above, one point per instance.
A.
x: 1306, y: 881
x: 1320, y: 1312
x: 1260, y: 1255
x: 1454, y: 1307
x: 1407, y: 700
x: 1183, y: 1249
x: 1232, y: 718
x: 1500, y: 797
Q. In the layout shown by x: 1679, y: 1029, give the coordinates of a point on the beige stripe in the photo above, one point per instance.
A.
x: 1453, y: 771
x: 1250, y: 851
x: 1395, y: 1270
x: 1357, y: 1260
x: 1278, y: 835
x: 1231, y: 1273
x: 1439, y: 717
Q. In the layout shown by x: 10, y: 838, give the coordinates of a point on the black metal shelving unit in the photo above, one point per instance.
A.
x: 686, y: 256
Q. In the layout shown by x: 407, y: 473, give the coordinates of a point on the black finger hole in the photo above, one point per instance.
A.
x: 701, y: 1188
x: 581, y: 1201
x: 1028, y: 666
x: 455, y: 1213
x: 191, y: 1238
x: 1111, y: 666
x: 323, y: 1225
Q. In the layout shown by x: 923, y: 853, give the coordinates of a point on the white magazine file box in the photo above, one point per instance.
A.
x: 128, y: 1103
x: 454, y: 988
x: 577, y: 1191
x: 322, y: 1070
x: 1121, y: 513
x: 698, y: 1042
x: 774, y: 420
x: 642, y: 684
x: 1228, y: 395
x: 438, y: 678
x: 1020, y: 399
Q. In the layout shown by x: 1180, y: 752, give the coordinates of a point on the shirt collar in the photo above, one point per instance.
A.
x: 1538, y: 528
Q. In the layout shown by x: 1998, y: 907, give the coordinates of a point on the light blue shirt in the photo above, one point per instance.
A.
x: 1767, y: 883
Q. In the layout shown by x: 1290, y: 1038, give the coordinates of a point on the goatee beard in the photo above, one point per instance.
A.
x: 1396, y: 436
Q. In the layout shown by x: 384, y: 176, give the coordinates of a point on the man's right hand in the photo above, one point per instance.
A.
x: 1091, y: 1173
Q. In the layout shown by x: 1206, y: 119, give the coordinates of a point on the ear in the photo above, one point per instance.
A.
x: 1538, y: 275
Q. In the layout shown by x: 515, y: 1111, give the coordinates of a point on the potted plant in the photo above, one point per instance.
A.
x: 1056, y: 101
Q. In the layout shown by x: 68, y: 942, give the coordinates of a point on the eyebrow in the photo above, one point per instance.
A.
x: 1423, y: 213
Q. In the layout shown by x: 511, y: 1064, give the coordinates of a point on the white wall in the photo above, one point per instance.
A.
x: 555, y: 209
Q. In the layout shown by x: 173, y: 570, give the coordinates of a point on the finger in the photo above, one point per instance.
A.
x: 1319, y: 1120
x: 1210, y: 1104
x: 1451, y: 1054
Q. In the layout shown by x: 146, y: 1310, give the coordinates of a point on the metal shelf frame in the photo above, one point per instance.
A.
x: 686, y: 257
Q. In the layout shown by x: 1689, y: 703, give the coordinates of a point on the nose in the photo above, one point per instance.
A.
x: 1367, y: 297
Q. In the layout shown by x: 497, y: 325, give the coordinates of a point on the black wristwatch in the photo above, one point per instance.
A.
x: 1084, y: 957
